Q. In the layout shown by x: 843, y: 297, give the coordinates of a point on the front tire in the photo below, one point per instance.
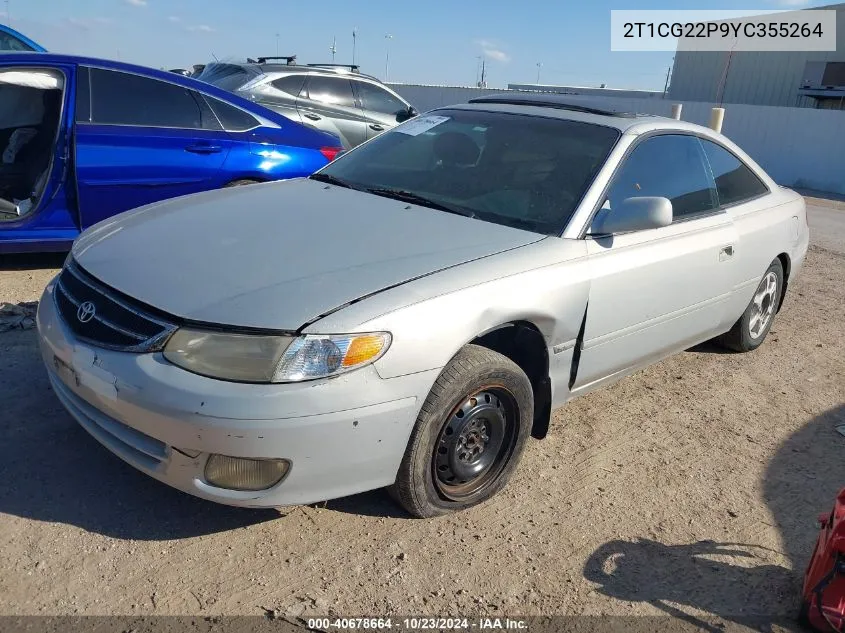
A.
x: 469, y: 435
x: 749, y: 332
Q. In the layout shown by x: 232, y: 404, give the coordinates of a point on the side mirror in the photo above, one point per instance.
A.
x: 404, y: 115
x: 633, y: 214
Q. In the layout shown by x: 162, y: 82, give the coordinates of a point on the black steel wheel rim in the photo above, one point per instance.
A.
x: 475, y: 443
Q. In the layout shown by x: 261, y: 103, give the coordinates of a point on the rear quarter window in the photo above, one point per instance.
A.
x: 735, y: 182
x: 232, y: 118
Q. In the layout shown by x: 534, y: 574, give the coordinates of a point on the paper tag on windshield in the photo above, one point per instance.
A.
x: 421, y: 124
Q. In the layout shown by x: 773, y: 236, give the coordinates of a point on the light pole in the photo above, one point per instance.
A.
x: 333, y: 48
x: 277, y: 44
x: 8, y: 14
x: 388, y: 37
x: 477, y: 69
x: 354, y: 37
x: 539, y: 66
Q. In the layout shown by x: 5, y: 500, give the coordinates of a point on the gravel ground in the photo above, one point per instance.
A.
x: 689, y: 488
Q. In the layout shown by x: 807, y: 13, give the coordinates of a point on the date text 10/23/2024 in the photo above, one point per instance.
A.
x: 419, y: 624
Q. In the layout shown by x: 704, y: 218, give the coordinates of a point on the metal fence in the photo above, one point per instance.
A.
x: 798, y: 147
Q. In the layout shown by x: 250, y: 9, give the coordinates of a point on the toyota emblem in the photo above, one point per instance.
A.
x: 86, y: 311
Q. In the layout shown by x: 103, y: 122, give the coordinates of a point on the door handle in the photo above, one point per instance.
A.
x: 203, y: 149
x: 726, y: 252
x: 313, y: 117
x: 376, y: 127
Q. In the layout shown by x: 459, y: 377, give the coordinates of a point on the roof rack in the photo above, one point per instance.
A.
x: 353, y: 67
x: 545, y: 102
x: 290, y: 60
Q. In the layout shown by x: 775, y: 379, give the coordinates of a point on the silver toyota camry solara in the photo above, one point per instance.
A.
x: 408, y: 316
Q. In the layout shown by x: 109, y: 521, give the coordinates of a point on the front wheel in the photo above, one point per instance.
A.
x: 750, y: 331
x: 469, y: 435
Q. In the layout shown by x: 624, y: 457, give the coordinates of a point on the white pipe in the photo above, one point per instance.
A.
x: 717, y: 115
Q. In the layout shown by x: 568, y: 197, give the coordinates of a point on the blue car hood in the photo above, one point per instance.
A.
x: 279, y: 255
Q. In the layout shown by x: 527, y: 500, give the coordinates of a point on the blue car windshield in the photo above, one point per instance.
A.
x: 524, y: 171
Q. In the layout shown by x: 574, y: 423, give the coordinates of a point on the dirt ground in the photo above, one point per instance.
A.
x: 690, y: 488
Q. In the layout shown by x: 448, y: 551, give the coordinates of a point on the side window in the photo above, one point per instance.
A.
x: 233, y: 119
x: 119, y: 98
x: 735, y: 182
x: 292, y: 84
x: 331, y: 90
x: 83, y: 95
x: 670, y: 166
x: 375, y: 99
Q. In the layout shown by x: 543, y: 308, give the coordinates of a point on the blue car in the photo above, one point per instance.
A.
x: 83, y: 139
x: 12, y: 40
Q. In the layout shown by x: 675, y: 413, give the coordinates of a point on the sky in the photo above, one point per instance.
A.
x: 433, y: 42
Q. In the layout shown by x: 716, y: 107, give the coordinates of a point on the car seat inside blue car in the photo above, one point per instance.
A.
x: 30, y: 113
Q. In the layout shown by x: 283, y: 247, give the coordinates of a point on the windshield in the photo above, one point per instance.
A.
x: 523, y: 171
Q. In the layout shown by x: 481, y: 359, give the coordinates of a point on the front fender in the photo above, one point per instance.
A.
x: 546, y: 284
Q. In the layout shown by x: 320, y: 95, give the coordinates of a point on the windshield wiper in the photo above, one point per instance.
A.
x: 334, y: 180
x: 415, y: 198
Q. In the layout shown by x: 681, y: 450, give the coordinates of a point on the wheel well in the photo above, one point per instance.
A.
x: 523, y: 343
x: 787, y: 265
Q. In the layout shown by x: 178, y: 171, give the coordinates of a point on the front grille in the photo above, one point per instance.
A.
x: 117, y: 322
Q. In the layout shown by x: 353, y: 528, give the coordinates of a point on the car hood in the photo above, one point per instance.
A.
x: 279, y: 255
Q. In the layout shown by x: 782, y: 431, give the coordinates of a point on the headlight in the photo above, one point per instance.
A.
x: 268, y: 358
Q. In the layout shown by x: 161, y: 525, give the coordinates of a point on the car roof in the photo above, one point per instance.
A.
x: 23, y: 38
x: 317, y: 69
x: 561, y: 107
x: 34, y: 58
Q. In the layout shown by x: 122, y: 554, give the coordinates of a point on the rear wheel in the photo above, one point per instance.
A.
x: 749, y: 332
x: 469, y: 435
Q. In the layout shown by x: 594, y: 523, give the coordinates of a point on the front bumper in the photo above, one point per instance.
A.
x: 342, y: 436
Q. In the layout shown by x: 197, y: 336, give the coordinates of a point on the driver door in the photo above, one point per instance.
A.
x: 662, y: 290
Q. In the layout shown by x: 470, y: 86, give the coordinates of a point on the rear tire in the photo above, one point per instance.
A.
x: 469, y: 435
x: 749, y: 332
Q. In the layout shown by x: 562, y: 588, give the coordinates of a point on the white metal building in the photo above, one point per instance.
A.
x: 804, y: 79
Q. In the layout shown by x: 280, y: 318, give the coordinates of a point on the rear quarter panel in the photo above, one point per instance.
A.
x: 772, y: 225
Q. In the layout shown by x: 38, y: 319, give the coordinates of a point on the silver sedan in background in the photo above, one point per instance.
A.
x: 408, y: 316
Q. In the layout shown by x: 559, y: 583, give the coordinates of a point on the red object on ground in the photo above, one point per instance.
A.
x: 823, y: 604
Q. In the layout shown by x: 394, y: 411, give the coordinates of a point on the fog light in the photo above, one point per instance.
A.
x: 238, y: 473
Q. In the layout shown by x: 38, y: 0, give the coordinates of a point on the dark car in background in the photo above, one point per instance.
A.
x: 83, y: 139
x: 332, y: 97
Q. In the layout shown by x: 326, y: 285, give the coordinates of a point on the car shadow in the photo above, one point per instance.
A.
x: 801, y: 481
x: 710, y: 347
x: 55, y: 472
x: 376, y: 503
x: 31, y: 261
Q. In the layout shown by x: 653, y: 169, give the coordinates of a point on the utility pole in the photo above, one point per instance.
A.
x: 8, y: 14
x: 539, y: 66
x: 668, y: 73
x: 387, y: 37
x: 333, y: 48
x: 354, y: 37
x: 277, y: 44
x: 483, y: 73
x: 477, y: 70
